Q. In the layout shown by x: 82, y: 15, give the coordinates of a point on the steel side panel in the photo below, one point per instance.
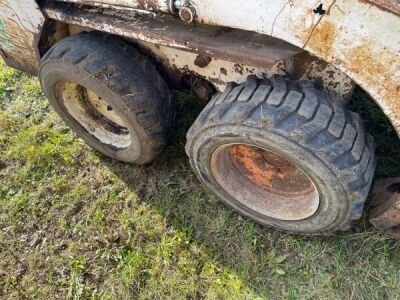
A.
x: 21, y: 23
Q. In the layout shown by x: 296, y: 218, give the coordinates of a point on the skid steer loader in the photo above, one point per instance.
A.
x: 275, y: 141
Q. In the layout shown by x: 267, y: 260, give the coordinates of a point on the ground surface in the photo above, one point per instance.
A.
x: 74, y: 224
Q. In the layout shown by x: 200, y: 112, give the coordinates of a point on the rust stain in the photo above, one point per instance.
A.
x: 22, y: 40
x: 322, y: 38
x: 247, y: 159
x: 22, y: 32
x: 362, y: 61
x: 325, y: 75
x: 269, y: 171
x: 373, y: 67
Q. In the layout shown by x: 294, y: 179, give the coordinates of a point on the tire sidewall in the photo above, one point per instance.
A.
x: 53, y: 72
x: 334, y: 205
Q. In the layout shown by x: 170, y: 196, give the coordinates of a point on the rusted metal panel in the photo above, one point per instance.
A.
x: 386, y: 206
x: 164, y: 5
x: 217, y: 71
x: 150, y: 5
x: 21, y: 23
x: 222, y: 43
x: 326, y: 76
x: 220, y: 72
x: 232, y: 54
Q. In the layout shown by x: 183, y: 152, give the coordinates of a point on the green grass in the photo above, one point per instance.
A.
x: 75, y: 224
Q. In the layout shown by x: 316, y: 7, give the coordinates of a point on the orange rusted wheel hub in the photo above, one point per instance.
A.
x: 265, y: 182
x: 269, y: 171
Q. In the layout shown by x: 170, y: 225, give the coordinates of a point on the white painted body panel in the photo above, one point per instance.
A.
x: 20, y: 26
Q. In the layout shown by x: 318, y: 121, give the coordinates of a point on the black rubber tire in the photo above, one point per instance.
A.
x: 305, y: 125
x: 116, y: 71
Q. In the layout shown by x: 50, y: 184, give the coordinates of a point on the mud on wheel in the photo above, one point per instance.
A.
x: 284, y: 154
x: 110, y: 95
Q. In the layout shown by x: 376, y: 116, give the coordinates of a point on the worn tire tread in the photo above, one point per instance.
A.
x: 310, y: 117
x: 110, y: 59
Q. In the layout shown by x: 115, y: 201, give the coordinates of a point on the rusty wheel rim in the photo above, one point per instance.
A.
x: 264, y: 182
x: 95, y: 115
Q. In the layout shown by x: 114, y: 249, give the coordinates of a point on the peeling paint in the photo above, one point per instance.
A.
x: 185, y: 62
x: 374, y: 71
x: 325, y: 75
x: 5, y: 38
x: 20, y: 27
